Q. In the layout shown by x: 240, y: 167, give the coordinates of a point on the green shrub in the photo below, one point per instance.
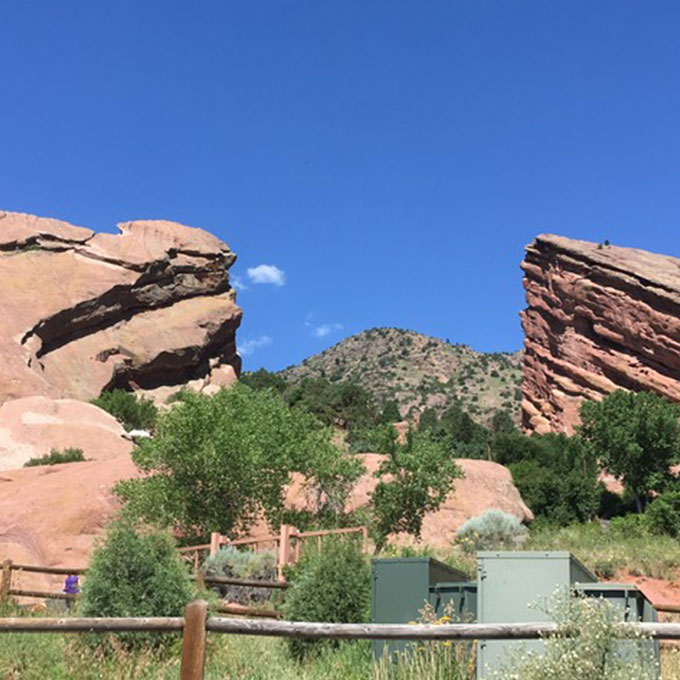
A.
x: 663, y: 514
x: 629, y: 526
x: 332, y: 585
x: 135, y: 573
x: 492, y: 530
x: 246, y: 564
x: 555, y: 474
x: 134, y: 413
x: 54, y: 457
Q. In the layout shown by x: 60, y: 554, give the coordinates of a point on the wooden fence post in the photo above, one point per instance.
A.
x: 6, y: 582
x: 284, y: 549
x: 193, y: 641
x: 215, y: 540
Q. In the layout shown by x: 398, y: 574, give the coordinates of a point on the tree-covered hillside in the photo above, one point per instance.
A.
x: 419, y: 372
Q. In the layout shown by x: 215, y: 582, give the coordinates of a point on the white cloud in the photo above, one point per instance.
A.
x: 247, y: 347
x: 267, y: 273
x: 238, y: 283
x: 325, y: 328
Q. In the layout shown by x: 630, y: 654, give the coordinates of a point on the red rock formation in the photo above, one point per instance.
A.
x: 485, y: 485
x: 31, y: 427
x: 598, y: 318
x: 150, y: 308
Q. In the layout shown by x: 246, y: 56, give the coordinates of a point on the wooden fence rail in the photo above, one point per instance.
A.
x: 8, y: 567
x: 196, y: 624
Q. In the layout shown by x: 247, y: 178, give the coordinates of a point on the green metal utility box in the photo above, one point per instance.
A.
x: 401, y: 588
x: 460, y: 599
x: 507, y: 583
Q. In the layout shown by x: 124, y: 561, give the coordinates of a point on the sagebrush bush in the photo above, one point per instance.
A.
x: 55, y: 457
x: 331, y: 585
x: 493, y: 530
x: 246, y: 564
x: 136, y: 573
x: 134, y: 413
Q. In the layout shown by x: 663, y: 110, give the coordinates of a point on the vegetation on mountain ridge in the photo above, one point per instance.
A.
x: 419, y: 372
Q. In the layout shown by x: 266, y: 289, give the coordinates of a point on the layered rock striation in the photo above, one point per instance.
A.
x: 150, y: 308
x: 598, y: 318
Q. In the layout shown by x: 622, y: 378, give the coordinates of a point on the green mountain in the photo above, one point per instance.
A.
x: 419, y: 372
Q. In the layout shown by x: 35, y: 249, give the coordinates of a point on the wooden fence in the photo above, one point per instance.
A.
x: 196, y: 624
x: 288, y: 543
x: 8, y: 567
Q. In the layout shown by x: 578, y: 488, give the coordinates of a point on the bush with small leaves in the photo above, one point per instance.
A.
x: 135, y: 572
x: 331, y: 585
x: 493, y: 530
x: 55, y: 457
x: 132, y: 412
x: 663, y: 514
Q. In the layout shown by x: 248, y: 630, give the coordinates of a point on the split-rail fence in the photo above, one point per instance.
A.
x: 196, y: 624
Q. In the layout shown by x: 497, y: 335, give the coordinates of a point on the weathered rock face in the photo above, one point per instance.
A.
x: 31, y: 427
x: 599, y: 318
x: 150, y: 308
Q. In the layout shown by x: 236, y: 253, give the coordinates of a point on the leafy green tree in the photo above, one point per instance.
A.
x: 502, y: 421
x: 415, y: 479
x: 342, y: 403
x: 216, y: 463
x: 555, y: 474
x: 390, y: 413
x: 135, y: 413
x: 428, y: 419
x: 262, y: 378
x: 135, y: 573
x: 460, y: 433
x: 635, y: 436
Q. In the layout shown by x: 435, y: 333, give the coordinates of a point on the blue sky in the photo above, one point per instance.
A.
x: 386, y: 160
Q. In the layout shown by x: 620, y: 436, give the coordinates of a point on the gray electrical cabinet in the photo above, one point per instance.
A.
x: 507, y: 583
x: 401, y: 588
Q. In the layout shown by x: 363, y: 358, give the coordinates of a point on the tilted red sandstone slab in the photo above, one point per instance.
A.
x: 598, y: 318
x: 149, y: 308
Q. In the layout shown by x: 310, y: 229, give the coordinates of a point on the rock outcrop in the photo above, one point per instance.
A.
x: 52, y: 515
x: 485, y: 485
x: 31, y: 427
x: 598, y: 318
x: 150, y: 309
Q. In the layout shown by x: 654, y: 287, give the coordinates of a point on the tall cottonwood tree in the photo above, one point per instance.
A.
x: 635, y: 436
x: 218, y: 463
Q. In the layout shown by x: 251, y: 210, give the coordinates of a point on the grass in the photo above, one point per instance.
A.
x: 36, y: 656
x: 612, y: 553
x: 65, y: 657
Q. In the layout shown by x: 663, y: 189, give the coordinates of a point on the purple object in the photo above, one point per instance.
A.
x: 71, y: 585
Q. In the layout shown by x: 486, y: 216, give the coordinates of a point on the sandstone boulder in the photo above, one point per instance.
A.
x: 485, y: 485
x: 31, y: 427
